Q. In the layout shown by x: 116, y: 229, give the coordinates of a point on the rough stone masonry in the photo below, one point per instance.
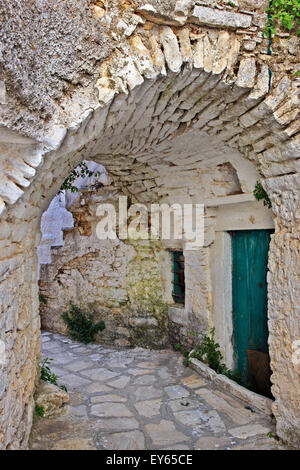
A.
x: 160, y: 93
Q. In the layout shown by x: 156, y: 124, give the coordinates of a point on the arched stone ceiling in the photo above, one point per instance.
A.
x: 171, y: 100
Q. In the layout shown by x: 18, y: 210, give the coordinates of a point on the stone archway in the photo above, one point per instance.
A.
x: 179, y: 96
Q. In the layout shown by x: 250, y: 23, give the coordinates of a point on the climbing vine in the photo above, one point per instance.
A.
x: 81, y: 170
x: 285, y: 14
x: 260, y: 195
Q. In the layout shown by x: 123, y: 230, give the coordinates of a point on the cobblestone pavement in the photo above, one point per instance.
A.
x: 140, y: 399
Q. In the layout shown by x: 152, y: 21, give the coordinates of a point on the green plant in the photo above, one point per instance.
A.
x: 209, y: 352
x: 260, y: 194
x: 177, y: 347
x: 80, y: 171
x: 249, y: 408
x: 49, y: 376
x: 39, y: 410
x: 285, y: 14
x: 46, y: 373
x: 81, y: 324
x: 43, y: 299
x: 186, y: 362
x: 271, y: 435
x: 185, y: 353
x: 186, y: 356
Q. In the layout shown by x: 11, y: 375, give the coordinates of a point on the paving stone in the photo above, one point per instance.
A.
x: 177, y: 447
x: 74, y: 444
x: 63, y: 359
x: 243, y: 432
x: 147, y: 392
x: 212, y: 443
x: 178, y: 409
x: 78, y: 365
x: 58, y: 371
x: 130, y: 440
x: 193, y: 381
x: 105, y: 398
x: 99, y: 374
x: 164, y: 433
x: 54, y: 347
x: 146, y: 380
x: 259, y: 444
x: 181, y: 404
x: 120, y: 363
x: 117, y: 424
x: 147, y: 365
x: 96, y: 357
x: 72, y: 380
x: 120, y: 382
x: 236, y: 412
x: 199, y: 421
x: 75, y: 398
x: 176, y: 391
x: 164, y: 373
x: 83, y: 350
x: 80, y: 411
x: 110, y: 409
x: 96, y: 387
x: 215, y: 423
x: 138, y: 372
x: 148, y: 408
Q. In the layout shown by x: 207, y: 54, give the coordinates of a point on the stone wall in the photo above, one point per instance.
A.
x: 118, y: 280
x: 284, y: 306
x: 129, y: 283
x: 20, y: 332
x: 161, y: 83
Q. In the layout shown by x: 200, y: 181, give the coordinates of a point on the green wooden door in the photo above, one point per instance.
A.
x: 249, y: 289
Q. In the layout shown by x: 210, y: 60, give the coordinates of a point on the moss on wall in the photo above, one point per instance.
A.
x: 148, y: 310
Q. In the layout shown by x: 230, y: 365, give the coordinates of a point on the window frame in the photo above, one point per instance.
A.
x: 178, y: 279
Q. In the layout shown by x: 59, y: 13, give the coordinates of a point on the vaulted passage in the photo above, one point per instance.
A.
x: 184, y: 112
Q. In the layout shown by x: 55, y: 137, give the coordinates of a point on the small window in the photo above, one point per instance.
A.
x: 178, y: 277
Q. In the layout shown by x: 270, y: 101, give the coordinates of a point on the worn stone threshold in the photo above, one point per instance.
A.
x: 222, y: 382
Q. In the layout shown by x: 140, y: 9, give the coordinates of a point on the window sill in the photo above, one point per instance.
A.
x: 177, y: 314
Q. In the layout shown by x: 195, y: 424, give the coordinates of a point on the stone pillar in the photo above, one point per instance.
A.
x: 284, y: 306
x: 20, y: 335
x: 198, y: 300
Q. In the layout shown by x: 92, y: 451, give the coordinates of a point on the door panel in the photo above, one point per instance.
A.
x: 249, y: 288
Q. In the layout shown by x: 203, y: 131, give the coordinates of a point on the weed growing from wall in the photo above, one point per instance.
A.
x: 208, y: 351
x: 81, y: 325
x: 39, y: 410
x: 285, y: 14
x: 260, y: 194
x: 47, y: 375
x: 81, y: 170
